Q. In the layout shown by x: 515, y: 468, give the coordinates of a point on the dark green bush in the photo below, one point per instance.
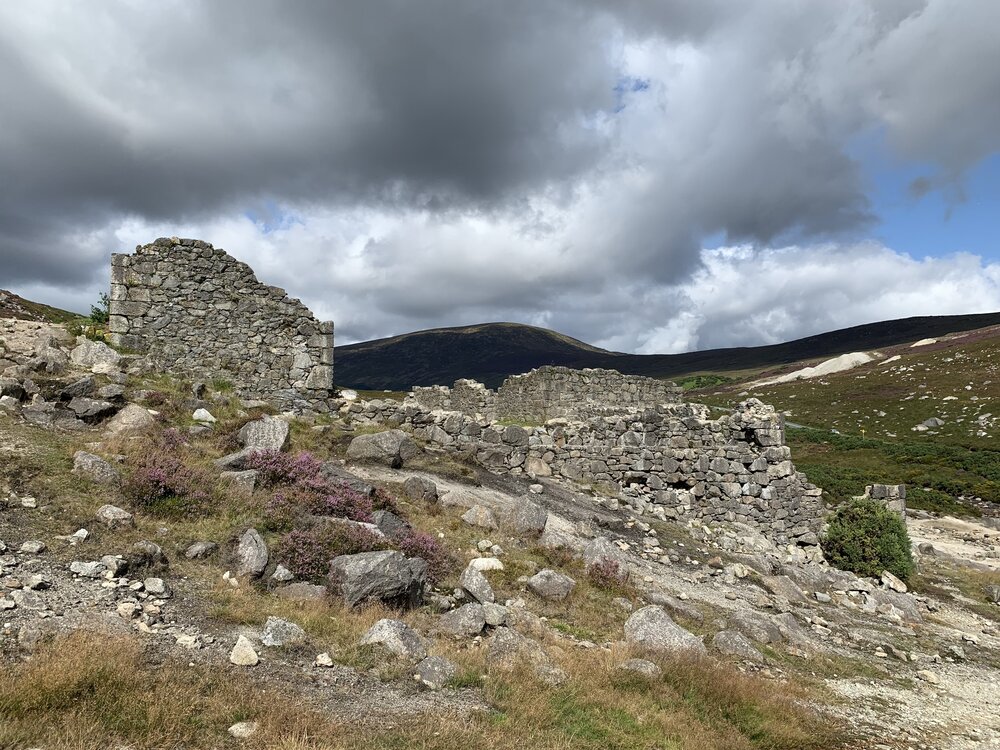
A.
x: 866, y: 537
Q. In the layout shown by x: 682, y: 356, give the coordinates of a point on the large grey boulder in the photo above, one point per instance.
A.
x: 396, y: 638
x: 391, y: 448
x: 419, y: 488
x: 278, y: 632
x: 465, y: 622
x: 603, y: 550
x: 94, y: 355
x: 757, y: 626
x: 731, y: 643
x: 265, y: 434
x: 481, y: 516
x: 526, y: 518
x: 95, y: 468
x: 386, y: 576
x: 559, y: 532
x: 652, y: 628
x: 548, y: 584
x: 251, y: 554
x: 435, y: 672
x: 131, y: 418
x: 474, y: 583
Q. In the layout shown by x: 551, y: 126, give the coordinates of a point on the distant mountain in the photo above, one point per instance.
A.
x: 492, y: 351
x: 13, y: 306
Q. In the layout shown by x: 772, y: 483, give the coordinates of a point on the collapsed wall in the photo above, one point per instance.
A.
x: 548, y: 392
x: 197, y: 311
x: 672, y: 461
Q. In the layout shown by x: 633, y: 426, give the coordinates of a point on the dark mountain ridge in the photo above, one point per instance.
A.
x: 490, y: 352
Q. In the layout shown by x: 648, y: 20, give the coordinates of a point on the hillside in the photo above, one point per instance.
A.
x: 926, y: 415
x: 14, y: 306
x: 491, y: 352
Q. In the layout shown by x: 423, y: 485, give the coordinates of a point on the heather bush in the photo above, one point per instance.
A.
x: 440, y: 563
x: 161, y: 480
x: 384, y: 500
x: 307, y: 552
x: 867, y: 538
x: 607, y: 574
x: 275, y: 467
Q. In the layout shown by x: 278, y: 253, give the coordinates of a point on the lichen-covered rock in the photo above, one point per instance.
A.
x: 435, y: 672
x: 385, y: 576
x: 465, y: 622
x: 526, y: 518
x: 421, y: 489
x: 95, y: 468
x: 94, y: 355
x: 396, y: 638
x: 731, y: 643
x: 474, y: 583
x: 114, y: 517
x: 278, y: 632
x: 251, y: 554
x: 548, y: 584
x: 265, y: 434
x: 652, y: 628
x: 132, y: 418
x: 481, y: 516
x: 390, y: 448
x: 243, y: 653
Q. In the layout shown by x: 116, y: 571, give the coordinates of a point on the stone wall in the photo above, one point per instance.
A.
x: 671, y: 461
x: 199, y: 312
x: 548, y: 392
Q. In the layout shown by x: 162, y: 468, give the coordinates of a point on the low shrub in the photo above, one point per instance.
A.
x: 275, y: 467
x: 162, y: 480
x: 307, y: 552
x: 440, y: 562
x: 607, y: 574
x: 867, y: 538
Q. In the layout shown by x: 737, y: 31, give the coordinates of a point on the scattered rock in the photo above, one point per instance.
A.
x: 131, y: 418
x: 386, y: 575
x: 481, y: 516
x: 731, y: 643
x: 389, y: 523
x: 243, y: 481
x: 200, y: 550
x: 148, y: 555
x: 651, y: 627
x: 548, y: 584
x: 495, y: 614
x: 396, y: 638
x: 475, y: 585
x: 323, y: 660
x: 94, y: 355
x: 157, y: 587
x: 927, y: 676
x: 892, y: 582
x: 642, y: 666
x: 435, y: 672
x: 203, y: 415
x: 87, y: 569
x: 420, y: 489
x: 242, y: 730
x: 391, y: 448
x: 251, y: 554
x: 265, y: 434
x: 33, y: 547
x: 526, y: 518
x: 95, y: 468
x: 91, y: 410
x: 282, y: 574
x: 464, y: 622
x: 243, y: 654
x: 278, y: 632
x: 114, y: 517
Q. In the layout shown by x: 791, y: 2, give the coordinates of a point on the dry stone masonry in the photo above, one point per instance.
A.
x: 670, y: 460
x: 199, y: 312
x: 548, y: 392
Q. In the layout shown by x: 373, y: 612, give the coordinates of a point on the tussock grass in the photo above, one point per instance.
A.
x: 89, y: 692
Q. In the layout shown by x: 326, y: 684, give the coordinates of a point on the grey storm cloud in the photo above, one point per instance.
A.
x: 555, y: 162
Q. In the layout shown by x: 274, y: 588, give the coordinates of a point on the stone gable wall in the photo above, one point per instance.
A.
x: 201, y: 313
x: 671, y: 461
x: 548, y: 392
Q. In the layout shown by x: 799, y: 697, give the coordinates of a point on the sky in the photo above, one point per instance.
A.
x: 645, y: 175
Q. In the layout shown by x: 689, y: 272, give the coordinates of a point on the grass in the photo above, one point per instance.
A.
x: 87, y: 691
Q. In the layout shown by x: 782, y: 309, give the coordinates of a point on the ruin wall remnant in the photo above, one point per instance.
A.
x: 548, y: 392
x: 199, y: 312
